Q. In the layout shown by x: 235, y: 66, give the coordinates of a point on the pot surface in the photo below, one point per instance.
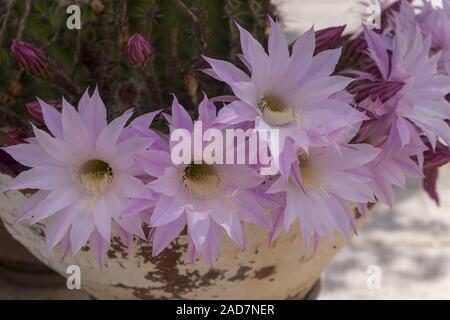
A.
x: 285, y: 270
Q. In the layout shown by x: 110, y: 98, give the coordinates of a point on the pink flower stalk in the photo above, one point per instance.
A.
x: 138, y: 51
x: 323, y: 189
x: 433, y: 160
x: 85, y: 175
x: 205, y: 197
x: 294, y: 93
x: 30, y: 57
x: 34, y: 109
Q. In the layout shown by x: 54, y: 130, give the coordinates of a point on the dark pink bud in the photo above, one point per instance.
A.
x: 328, y: 38
x: 34, y: 109
x: 30, y: 57
x: 138, y: 51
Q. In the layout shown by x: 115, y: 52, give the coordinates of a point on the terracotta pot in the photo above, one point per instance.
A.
x: 283, y: 271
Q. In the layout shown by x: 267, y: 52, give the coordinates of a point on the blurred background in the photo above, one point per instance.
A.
x: 409, y: 245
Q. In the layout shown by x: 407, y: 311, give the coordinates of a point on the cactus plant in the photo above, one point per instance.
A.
x: 179, y: 32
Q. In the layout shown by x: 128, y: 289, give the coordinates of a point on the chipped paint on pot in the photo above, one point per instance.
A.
x: 283, y: 271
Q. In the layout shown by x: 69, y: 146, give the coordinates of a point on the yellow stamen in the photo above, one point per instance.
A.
x: 95, y: 176
x: 275, y: 111
x: 201, y: 180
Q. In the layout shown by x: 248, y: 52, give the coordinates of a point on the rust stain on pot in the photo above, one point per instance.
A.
x: 167, y: 276
x: 213, y: 274
x: 264, y: 272
x: 117, y: 247
x: 241, y: 274
x: 145, y: 252
x: 139, y: 293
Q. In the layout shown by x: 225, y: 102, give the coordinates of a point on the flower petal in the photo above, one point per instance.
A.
x: 52, y: 119
x: 164, y: 235
x: 107, y: 140
x: 30, y: 155
x: 93, y: 113
x: 44, y: 178
x: 82, y: 227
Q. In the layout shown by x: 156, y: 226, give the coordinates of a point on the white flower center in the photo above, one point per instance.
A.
x: 275, y: 111
x: 201, y: 180
x: 95, y: 176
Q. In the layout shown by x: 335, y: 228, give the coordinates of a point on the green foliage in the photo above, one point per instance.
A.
x: 180, y: 31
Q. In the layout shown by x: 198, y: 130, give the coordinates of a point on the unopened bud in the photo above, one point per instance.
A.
x: 30, y: 57
x: 138, y: 51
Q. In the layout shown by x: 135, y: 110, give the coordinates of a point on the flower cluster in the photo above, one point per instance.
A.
x: 344, y: 140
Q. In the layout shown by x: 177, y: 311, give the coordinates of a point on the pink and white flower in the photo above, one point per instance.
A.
x: 207, y: 198
x: 323, y: 189
x: 85, y: 173
x: 294, y: 93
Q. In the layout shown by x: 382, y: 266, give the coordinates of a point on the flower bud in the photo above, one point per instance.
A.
x: 138, y: 51
x: 30, y: 57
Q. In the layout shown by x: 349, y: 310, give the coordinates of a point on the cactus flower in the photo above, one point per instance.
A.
x: 419, y: 106
x: 294, y: 93
x: 324, y: 186
x: 205, y: 197
x: 84, y: 174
